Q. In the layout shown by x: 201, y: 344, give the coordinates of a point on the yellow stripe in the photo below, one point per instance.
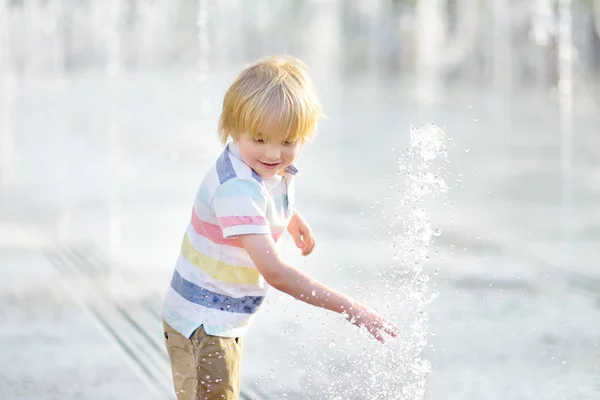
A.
x: 219, y: 270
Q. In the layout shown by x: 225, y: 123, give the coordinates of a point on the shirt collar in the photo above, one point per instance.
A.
x: 234, y: 149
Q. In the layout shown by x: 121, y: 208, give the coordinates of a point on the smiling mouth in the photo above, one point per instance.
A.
x: 267, y: 165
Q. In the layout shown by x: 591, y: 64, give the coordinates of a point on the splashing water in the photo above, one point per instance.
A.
x: 396, y: 371
x: 420, y: 167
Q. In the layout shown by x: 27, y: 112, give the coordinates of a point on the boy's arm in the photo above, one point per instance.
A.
x: 302, y: 234
x: 300, y: 285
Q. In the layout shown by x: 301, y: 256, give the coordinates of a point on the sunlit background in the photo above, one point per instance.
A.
x: 108, y: 116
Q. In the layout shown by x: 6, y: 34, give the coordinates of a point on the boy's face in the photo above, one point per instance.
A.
x: 266, y: 158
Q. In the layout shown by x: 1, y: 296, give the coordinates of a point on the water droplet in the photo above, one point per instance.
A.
x: 467, y: 150
x: 437, y: 232
x: 476, y: 119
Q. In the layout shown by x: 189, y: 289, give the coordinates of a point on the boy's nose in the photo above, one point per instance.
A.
x: 273, y: 152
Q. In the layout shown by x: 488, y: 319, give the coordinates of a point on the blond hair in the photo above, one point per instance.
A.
x: 273, y: 99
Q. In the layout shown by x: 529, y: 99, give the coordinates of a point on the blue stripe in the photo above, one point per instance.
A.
x: 203, y: 195
x: 195, y: 294
x: 290, y: 169
x: 225, y: 169
x: 241, y: 188
x: 255, y: 175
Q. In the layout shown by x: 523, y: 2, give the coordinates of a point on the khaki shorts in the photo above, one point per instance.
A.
x: 204, y: 367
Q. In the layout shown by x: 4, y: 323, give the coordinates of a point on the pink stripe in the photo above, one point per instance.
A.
x: 214, y: 233
x: 226, y: 222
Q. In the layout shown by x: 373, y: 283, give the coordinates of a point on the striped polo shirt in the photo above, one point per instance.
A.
x: 215, y: 283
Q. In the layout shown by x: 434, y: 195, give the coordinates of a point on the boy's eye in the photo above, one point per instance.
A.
x: 288, y: 143
x: 259, y: 140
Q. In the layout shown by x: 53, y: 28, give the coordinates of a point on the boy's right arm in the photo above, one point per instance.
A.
x: 290, y: 280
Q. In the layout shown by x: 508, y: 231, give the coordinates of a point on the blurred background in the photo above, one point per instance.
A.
x: 108, y: 116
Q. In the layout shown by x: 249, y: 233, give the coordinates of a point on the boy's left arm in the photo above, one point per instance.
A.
x: 302, y: 234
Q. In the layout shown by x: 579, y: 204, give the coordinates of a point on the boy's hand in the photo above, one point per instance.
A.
x: 364, y: 317
x: 302, y: 234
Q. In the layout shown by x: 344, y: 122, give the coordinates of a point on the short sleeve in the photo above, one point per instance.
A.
x: 240, y: 207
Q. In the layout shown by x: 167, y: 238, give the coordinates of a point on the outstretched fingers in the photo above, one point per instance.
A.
x: 379, y: 337
x: 391, y: 329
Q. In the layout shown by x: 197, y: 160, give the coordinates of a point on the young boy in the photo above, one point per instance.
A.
x: 229, y: 257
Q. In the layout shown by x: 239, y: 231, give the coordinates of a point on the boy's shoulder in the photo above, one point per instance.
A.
x: 228, y: 168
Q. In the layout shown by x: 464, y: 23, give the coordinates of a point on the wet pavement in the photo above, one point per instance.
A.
x: 53, y: 346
